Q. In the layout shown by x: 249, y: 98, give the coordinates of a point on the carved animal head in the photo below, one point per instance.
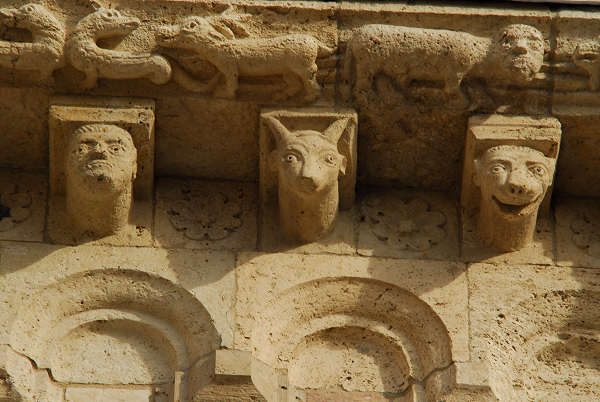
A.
x: 101, y: 158
x: 514, y: 179
x: 521, y: 51
x: 30, y: 16
x: 308, y: 162
x: 194, y: 30
x: 108, y: 22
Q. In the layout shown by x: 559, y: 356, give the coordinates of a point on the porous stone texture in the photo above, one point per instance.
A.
x: 255, y: 200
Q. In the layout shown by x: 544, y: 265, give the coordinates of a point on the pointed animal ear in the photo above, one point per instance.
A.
x: 279, y: 131
x: 223, y: 30
x: 343, y: 165
x: 336, y: 129
x: 95, y: 5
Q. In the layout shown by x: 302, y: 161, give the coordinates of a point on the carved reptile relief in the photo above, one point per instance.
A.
x: 45, y: 53
x: 96, y: 62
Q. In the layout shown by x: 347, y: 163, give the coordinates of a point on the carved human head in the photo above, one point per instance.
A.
x: 102, y: 160
x: 192, y: 30
x: 521, y: 49
x: 308, y: 161
x: 513, y: 179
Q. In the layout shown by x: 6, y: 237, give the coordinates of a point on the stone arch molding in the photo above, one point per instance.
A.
x: 85, y: 325
x: 354, y: 335
x: 544, y: 340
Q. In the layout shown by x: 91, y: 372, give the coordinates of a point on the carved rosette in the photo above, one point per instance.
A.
x: 204, y: 216
x: 407, y: 225
x: 14, y: 207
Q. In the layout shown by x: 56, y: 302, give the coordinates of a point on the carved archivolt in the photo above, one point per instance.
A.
x: 338, y: 314
x: 548, y: 348
x: 60, y: 325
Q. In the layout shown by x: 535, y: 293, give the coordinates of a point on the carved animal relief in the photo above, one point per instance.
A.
x: 214, y: 39
x: 308, y: 165
x: 408, y: 54
x: 96, y: 62
x: 45, y: 52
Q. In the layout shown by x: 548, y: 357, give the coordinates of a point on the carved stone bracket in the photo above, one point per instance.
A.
x: 101, y: 170
x: 507, y: 176
x: 307, y: 168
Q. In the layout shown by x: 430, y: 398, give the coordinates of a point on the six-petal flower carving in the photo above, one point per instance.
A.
x: 14, y: 207
x: 202, y: 216
x: 408, y: 225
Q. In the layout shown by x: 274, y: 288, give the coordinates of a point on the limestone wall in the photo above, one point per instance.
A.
x: 299, y: 201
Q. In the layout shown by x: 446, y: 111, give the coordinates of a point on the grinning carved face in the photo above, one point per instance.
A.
x: 102, y: 159
x: 521, y: 49
x: 513, y: 179
x: 308, y: 162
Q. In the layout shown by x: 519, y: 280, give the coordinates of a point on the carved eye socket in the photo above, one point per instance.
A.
x: 290, y: 158
x: 29, y: 9
x: 330, y: 159
x: 496, y: 169
x: 538, y: 170
x: 82, y: 149
x: 192, y: 24
x: 110, y: 14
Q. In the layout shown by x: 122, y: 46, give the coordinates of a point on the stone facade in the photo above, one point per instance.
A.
x: 299, y: 201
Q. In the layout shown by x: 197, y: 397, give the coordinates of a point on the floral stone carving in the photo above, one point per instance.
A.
x: 515, y: 54
x: 96, y: 62
x: 201, y: 216
x: 214, y: 39
x: 14, y: 207
x: 46, y: 51
x: 407, y: 225
x: 586, y: 231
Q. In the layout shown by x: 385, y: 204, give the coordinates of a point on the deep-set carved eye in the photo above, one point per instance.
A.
x: 497, y: 169
x: 290, y: 158
x: 29, y: 9
x: 330, y: 159
x: 538, y: 170
x: 192, y: 25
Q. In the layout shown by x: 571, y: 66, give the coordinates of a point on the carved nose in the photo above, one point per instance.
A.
x: 518, y: 183
x: 520, y: 47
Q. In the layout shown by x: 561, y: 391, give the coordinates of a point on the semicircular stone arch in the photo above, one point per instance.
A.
x: 350, y: 335
x: 548, y: 348
x: 114, y: 327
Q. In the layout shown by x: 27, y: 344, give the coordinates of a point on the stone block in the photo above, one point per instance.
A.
x: 536, y: 329
x: 262, y: 277
x: 206, y: 214
x: 84, y: 394
x: 23, y: 205
x: 577, y: 236
x: 408, y: 224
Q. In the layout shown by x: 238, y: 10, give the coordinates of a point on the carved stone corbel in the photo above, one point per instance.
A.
x: 508, y: 173
x: 101, y: 170
x: 307, y: 169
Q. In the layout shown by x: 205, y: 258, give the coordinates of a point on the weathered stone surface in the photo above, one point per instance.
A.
x: 535, y: 328
x: 439, y: 284
x: 407, y: 224
x: 74, y: 394
x: 577, y: 232
x: 202, y: 214
x: 23, y: 206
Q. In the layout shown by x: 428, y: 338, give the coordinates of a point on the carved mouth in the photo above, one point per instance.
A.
x: 516, y: 210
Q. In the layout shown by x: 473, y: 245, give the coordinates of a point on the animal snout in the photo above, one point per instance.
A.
x: 520, y: 47
x: 7, y: 16
x: 132, y: 23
